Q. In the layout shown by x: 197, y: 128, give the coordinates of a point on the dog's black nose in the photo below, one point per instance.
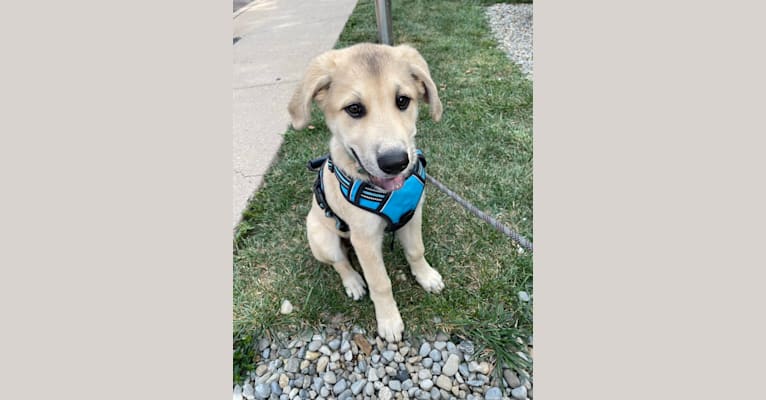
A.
x: 393, y: 162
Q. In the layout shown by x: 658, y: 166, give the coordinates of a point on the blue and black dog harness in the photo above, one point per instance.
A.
x: 396, y: 207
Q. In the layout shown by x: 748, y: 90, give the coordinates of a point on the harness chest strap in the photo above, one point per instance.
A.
x: 396, y: 207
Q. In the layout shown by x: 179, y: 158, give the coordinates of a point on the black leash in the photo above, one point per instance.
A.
x: 521, y: 240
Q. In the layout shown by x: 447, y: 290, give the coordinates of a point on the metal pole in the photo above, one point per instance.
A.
x: 383, y: 16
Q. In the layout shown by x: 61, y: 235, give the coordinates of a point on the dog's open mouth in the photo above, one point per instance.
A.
x: 388, y: 184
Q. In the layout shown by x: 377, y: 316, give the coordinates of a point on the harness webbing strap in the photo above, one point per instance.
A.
x: 317, y: 165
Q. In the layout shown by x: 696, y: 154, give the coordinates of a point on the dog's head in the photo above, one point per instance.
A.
x: 369, y: 95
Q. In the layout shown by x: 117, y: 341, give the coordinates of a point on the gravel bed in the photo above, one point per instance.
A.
x: 352, y: 365
x: 511, y: 25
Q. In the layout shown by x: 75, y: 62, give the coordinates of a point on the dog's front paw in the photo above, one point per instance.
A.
x: 390, y: 328
x: 354, y: 285
x: 430, y: 279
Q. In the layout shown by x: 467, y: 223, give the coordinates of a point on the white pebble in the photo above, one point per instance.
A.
x: 286, y: 307
x: 519, y: 392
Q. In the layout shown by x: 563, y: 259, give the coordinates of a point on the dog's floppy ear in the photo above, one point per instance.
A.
x: 316, y: 79
x: 419, y: 70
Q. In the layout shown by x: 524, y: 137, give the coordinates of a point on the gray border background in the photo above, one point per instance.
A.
x: 649, y: 200
x: 116, y: 157
x: 116, y: 209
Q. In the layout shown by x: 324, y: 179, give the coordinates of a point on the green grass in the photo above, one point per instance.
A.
x: 482, y: 149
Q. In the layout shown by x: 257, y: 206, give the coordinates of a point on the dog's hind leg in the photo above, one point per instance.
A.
x: 326, y: 247
x: 411, y: 238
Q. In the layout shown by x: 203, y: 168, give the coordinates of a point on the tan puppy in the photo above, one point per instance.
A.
x: 369, y: 95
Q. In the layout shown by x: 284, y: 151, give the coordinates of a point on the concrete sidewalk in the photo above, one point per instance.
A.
x: 277, y: 40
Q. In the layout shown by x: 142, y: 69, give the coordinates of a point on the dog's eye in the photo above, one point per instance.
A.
x: 402, y: 102
x: 356, y: 110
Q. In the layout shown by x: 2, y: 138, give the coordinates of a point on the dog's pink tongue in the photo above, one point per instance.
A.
x: 389, y: 184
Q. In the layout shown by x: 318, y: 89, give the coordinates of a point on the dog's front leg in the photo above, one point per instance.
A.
x: 411, y: 238
x: 368, y: 250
